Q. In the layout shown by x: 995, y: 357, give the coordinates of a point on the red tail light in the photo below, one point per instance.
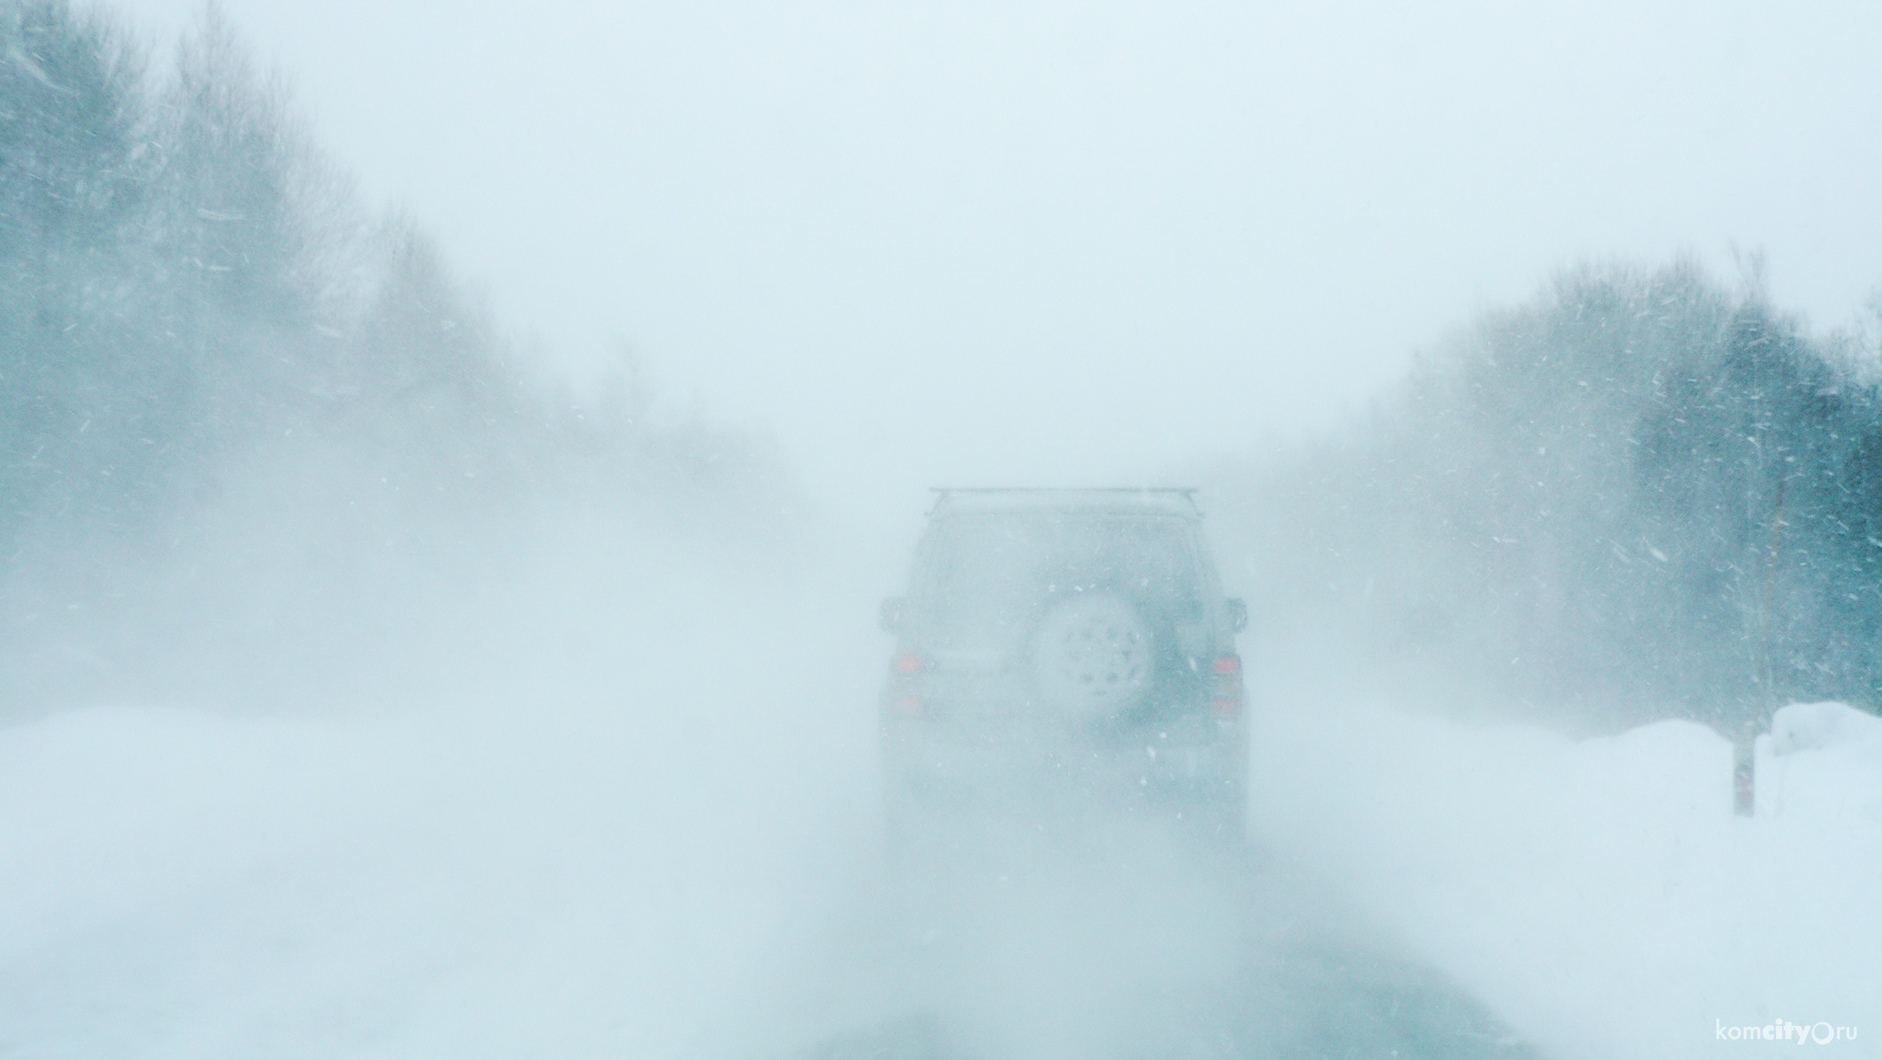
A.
x: 902, y: 699
x: 1228, y: 686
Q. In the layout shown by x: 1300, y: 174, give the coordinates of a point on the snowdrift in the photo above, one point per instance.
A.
x: 1600, y: 895
x: 1822, y: 762
x: 620, y: 845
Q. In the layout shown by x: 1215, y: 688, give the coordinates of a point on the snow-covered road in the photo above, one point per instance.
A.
x: 672, y: 858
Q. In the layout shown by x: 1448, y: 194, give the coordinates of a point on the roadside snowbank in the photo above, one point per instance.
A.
x: 1821, y: 761
x: 1600, y: 894
x: 612, y: 850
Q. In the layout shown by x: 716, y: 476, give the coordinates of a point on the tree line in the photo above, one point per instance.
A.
x: 199, y: 316
x: 1643, y: 492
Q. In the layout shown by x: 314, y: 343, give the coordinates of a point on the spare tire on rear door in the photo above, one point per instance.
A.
x: 1091, y: 656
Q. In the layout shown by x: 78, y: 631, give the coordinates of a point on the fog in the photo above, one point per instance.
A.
x: 969, y: 243
x: 446, y: 507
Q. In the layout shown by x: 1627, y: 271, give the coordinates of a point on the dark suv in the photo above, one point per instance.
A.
x: 1065, y: 648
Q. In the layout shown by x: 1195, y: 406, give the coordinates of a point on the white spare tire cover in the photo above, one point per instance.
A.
x: 1091, y: 656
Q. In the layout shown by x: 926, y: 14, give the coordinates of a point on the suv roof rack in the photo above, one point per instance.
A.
x: 943, y: 494
x: 1186, y: 490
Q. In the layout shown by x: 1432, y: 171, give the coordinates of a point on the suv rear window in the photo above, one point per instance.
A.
x: 990, y: 576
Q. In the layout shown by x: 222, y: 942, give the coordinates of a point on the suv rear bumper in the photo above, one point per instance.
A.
x: 1204, y: 762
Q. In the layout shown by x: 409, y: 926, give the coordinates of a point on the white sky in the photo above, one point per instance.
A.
x: 1031, y: 240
